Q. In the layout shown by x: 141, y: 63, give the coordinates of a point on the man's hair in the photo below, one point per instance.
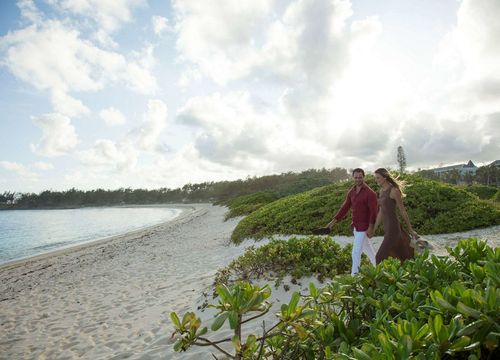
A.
x: 358, y: 170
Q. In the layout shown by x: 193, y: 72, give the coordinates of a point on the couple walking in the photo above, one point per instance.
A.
x: 368, y: 214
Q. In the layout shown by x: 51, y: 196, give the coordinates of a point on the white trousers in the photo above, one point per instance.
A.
x: 361, y: 244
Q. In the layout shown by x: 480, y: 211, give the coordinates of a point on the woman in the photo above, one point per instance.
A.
x: 396, y: 241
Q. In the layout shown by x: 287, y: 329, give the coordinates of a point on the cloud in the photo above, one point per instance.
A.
x: 154, y: 122
x: 18, y: 169
x: 29, y: 11
x: 112, y: 116
x: 108, y: 15
x: 472, y: 51
x: 160, y: 25
x: 310, y: 43
x: 40, y: 165
x: 238, y: 131
x: 58, y: 135
x: 120, y: 156
x: 66, y: 63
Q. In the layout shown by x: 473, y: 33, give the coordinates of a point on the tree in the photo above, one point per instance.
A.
x: 401, y: 159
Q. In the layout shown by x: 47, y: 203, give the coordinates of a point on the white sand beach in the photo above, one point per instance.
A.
x: 111, y: 299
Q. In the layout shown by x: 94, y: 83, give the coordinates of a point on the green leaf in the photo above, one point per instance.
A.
x: 224, y: 293
x: 313, y: 290
x: 460, y: 343
x: 236, y: 343
x: 233, y: 319
x: 178, y: 346
x: 219, y: 321
x: 251, y: 340
x: 293, y: 303
x: 471, y: 328
x: 359, y: 354
x: 445, y: 304
x: 468, y: 311
x: 202, y: 331
x: 424, y: 330
x: 437, y: 325
x: 175, y: 320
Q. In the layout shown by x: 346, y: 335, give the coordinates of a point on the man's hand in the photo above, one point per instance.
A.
x: 370, y: 231
x: 331, y: 223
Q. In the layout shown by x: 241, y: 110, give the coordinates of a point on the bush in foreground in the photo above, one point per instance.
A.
x: 299, y: 257
x: 433, y: 207
x: 427, y: 308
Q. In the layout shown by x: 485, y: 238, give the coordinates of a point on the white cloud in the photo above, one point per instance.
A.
x: 18, y: 169
x: 120, y: 156
x: 29, y: 11
x: 154, y: 122
x: 160, y: 25
x: 110, y: 15
x: 58, y: 135
x: 66, y: 63
x: 238, y: 131
x: 472, y: 51
x: 67, y: 105
x: 40, y: 165
x: 112, y: 116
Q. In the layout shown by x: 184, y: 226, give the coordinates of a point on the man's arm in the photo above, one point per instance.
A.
x: 342, y: 212
x: 374, y: 215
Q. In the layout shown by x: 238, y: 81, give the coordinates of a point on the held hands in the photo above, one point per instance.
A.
x: 331, y: 223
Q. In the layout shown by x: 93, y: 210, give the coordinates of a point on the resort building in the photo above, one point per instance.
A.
x: 463, y: 169
x: 495, y: 163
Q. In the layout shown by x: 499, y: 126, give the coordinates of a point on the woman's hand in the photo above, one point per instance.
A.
x: 369, y: 233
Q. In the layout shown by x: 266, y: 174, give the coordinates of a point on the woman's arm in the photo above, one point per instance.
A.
x: 396, y: 195
x: 377, y: 223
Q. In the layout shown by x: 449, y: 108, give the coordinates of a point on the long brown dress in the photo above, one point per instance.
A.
x: 396, y: 241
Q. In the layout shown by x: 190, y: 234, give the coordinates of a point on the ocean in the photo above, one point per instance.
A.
x: 25, y: 233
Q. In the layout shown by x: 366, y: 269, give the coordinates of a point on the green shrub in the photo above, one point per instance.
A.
x: 434, y: 208
x: 482, y: 191
x: 425, y: 308
x: 246, y: 204
x: 496, y: 197
x: 321, y: 257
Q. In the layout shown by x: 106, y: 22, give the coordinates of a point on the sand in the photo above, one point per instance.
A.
x: 111, y: 299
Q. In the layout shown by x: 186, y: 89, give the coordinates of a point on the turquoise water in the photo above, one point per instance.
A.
x: 26, y: 233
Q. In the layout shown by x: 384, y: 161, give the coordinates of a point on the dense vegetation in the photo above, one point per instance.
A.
x: 426, y: 308
x: 482, y: 191
x: 246, y: 204
x: 434, y: 208
x: 299, y: 257
x: 219, y: 192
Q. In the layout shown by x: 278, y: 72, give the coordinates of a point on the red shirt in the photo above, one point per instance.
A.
x: 364, y: 207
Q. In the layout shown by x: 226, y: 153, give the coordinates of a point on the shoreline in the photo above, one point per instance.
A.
x: 75, y: 247
x: 113, y: 298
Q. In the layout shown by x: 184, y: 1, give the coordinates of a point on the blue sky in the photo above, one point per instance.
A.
x: 137, y: 93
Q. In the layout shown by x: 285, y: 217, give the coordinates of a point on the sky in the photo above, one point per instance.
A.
x: 150, y: 94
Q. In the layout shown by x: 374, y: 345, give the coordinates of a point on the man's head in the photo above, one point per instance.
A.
x: 358, y: 175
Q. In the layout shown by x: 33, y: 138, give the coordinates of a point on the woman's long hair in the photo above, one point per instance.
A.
x: 398, y: 184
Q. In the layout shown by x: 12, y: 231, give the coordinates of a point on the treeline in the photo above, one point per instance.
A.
x: 215, y: 192
x: 485, y: 175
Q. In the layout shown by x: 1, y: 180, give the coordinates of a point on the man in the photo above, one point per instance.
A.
x: 363, y: 201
